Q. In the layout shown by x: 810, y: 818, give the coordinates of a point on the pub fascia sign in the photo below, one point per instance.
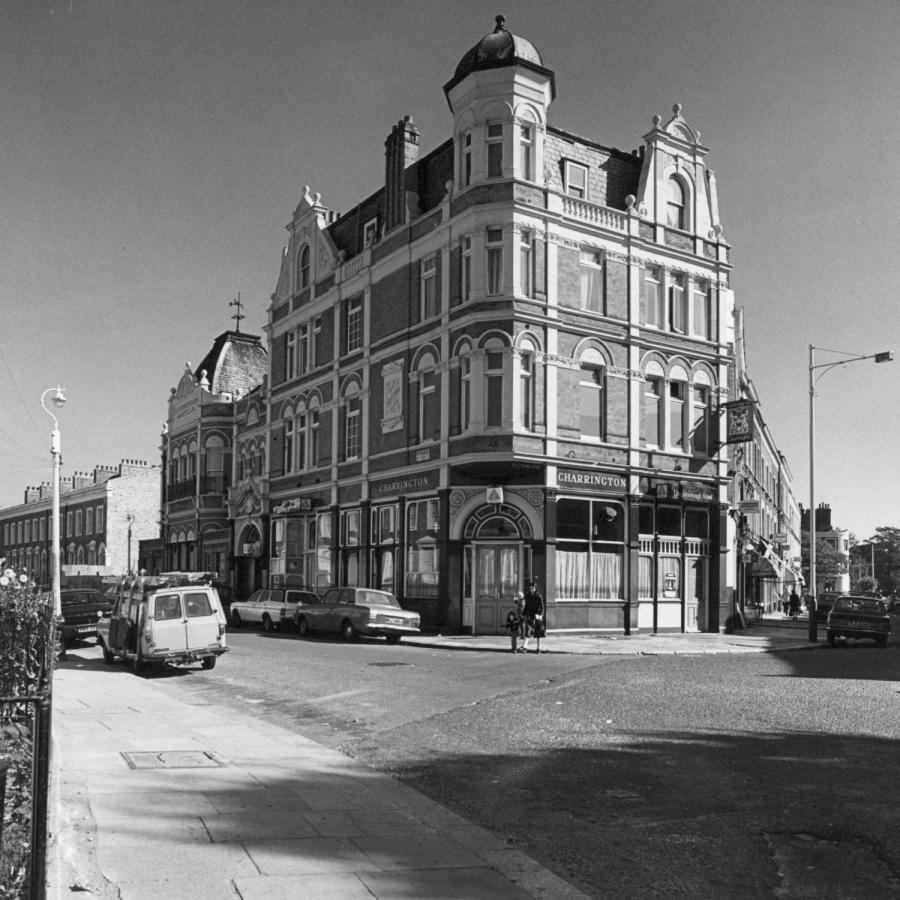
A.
x: 604, y: 481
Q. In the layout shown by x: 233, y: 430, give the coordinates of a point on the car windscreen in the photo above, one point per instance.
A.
x: 196, y: 605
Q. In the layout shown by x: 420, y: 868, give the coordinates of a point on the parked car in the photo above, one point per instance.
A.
x: 824, y: 602
x: 353, y: 611
x: 82, y: 608
x: 164, y: 621
x: 854, y: 616
x: 270, y: 608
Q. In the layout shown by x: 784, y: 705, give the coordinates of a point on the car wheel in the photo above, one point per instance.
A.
x: 393, y: 638
x: 208, y: 662
x: 267, y: 623
x: 236, y: 619
x: 108, y: 656
x: 348, y: 632
x: 303, y: 627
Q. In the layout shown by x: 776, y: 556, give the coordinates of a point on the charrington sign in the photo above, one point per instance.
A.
x: 598, y: 481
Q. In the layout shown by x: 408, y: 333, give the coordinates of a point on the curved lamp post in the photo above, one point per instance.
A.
x: 58, y: 400
x: 885, y: 356
x: 129, y: 518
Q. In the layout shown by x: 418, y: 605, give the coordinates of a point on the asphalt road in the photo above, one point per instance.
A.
x: 760, y: 775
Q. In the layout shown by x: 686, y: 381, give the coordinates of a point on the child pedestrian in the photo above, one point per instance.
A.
x: 515, y: 621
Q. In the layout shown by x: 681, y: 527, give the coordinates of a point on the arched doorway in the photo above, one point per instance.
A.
x: 497, y: 559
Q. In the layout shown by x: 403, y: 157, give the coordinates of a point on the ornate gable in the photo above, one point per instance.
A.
x: 308, y: 228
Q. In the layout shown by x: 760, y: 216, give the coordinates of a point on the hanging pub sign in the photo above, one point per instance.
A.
x: 739, y: 422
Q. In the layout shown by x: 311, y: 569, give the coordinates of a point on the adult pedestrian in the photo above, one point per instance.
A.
x: 794, y: 602
x: 535, y: 617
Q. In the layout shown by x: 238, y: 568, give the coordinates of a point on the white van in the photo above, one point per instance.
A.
x: 175, y: 619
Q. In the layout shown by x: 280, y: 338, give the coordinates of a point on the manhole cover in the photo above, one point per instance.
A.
x: 388, y: 665
x: 172, y: 759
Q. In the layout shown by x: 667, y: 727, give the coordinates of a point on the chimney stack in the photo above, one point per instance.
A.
x: 401, y: 150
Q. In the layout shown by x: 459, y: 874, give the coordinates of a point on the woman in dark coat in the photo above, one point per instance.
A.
x: 535, y: 616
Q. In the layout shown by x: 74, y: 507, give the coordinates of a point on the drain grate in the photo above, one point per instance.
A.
x: 172, y: 759
x: 389, y: 665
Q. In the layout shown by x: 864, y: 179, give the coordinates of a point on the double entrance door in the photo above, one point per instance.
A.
x: 495, y: 574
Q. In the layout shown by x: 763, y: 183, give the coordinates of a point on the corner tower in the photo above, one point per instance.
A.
x: 499, y: 96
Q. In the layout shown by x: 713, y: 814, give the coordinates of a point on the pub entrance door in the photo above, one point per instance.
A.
x: 497, y: 576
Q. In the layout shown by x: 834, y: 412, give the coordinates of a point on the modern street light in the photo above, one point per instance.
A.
x: 885, y: 356
x: 58, y: 400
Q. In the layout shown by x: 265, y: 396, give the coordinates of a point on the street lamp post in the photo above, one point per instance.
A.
x: 130, y: 519
x: 885, y: 356
x: 59, y: 399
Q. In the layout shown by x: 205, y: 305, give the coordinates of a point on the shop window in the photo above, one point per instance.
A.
x: 422, y: 566
x: 384, y: 540
x: 590, y: 549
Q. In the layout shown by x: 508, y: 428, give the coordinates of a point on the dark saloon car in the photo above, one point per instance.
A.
x: 82, y: 608
x: 854, y: 616
x: 824, y: 603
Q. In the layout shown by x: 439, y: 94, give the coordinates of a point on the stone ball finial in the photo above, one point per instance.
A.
x: 630, y: 201
x: 677, y: 109
x: 656, y: 120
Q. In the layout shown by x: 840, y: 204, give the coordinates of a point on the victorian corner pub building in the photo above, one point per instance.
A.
x: 508, y: 363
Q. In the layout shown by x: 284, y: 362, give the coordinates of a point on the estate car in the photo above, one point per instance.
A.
x: 270, y: 608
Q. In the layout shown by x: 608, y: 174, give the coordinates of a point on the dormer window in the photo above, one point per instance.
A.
x: 494, y: 150
x: 576, y: 180
x: 370, y: 233
x: 675, y: 207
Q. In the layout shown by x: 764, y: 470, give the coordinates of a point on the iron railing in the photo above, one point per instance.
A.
x: 25, y: 725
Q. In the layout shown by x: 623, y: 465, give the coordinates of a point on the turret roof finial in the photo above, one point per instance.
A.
x: 500, y: 20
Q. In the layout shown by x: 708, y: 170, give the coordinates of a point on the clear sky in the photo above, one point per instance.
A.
x: 151, y: 154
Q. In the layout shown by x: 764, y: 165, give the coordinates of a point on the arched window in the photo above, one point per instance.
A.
x: 352, y: 423
x: 651, y: 412
x: 464, y: 386
x: 701, y: 419
x: 592, y: 395
x: 527, y: 380
x: 429, y: 399
x: 675, y: 206
x: 678, y: 409
x: 303, y: 268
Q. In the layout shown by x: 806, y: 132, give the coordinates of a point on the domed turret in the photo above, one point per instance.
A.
x: 499, y: 48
